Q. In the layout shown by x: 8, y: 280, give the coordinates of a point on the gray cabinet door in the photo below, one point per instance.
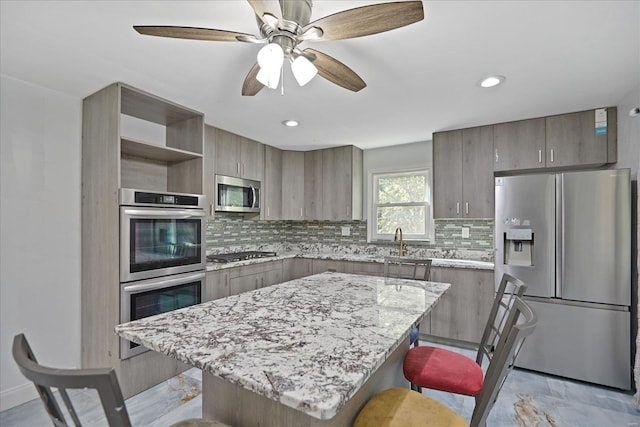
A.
x: 296, y: 268
x: 337, y: 181
x: 227, y: 153
x: 313, y: 185
x: 217, y: 285
x: 251, y: 159
x: 271, y: 199
x: 477, y: 172
x: 519, y: 145
x: 572, y: 140
x: 463, y: 311
x: 447, y: 174
x: 293, y: 185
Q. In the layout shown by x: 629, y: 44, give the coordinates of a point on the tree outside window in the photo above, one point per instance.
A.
x: 401, y: 199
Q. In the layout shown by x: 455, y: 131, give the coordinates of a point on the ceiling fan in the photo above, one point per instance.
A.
x: 284, y: 24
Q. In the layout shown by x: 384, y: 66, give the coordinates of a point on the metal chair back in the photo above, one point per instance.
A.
x: 407, y: 268
x: 103, y: 380
x: 519, y: 323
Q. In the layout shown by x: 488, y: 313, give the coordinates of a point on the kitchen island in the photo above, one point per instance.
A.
x: 306, y: 352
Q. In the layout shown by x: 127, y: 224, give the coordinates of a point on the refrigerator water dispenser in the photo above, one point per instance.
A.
x: 518, y: 246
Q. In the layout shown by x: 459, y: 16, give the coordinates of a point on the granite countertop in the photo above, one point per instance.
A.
x: 436, y: 262
x: 294, y: 342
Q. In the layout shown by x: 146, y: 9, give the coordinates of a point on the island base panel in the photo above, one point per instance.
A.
x: 234, y: 405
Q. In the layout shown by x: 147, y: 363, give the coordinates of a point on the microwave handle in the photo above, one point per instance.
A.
x: 158, y: 213
x: 253, y: 196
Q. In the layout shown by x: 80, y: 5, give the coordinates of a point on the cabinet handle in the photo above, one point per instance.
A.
x: 497, y: 157
x: 539, y: 156
x: 301, y: 215
x: 466, y: 208
x: 457, y: 207
x: 267, y: 211
x: 262, y: 282
x: 552, y: 155
x: 347, y: 211
x: 238, y: 168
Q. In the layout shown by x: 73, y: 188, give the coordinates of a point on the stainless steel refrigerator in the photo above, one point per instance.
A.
x: 568, y: 237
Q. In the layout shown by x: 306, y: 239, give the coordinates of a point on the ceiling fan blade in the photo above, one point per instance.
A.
x: 191, y: 33
x: 271, y: 7
x: 251, y: 85
x: 336, y: 72
x: 366, y: 20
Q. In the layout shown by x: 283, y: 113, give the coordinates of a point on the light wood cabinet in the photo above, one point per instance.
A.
x: 169, y: 159
x: 293, y: 185
x: 342, y: 183
x: 562, y: 141
x: 271, y: 208
x: 322, y: 265
x: 463, y: 311
x: 217, y: 285
x: 367, y: 268
x: 238, y: 156
x: 463, y: 173
x: 295, y: 268
x: 313, y: 185
x: 572, y: 139
x: 252, y: 277
x: 519, y: 145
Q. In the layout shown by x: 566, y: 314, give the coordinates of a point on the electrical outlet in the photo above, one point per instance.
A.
x: 346, y: 231
x: 465, y: 232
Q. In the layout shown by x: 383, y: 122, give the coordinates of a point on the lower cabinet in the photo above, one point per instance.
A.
x: 322, y: 265
x: 256, y: 276
x: 296, y: 268
x: 464, y: 309
x: 367, y: 268
x: 217, y: 285
x: 236, y: 280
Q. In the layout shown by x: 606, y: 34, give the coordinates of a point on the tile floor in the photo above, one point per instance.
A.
x: 527, y: 400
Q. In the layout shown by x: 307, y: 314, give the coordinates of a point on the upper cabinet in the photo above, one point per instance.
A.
x: 313, y: 184
x: 272, y: 184
x: 342, y: 183
x: 585, y: 138
x: 238, y: 156
x: 293, y: 185
x: 519, y: 145
x: 463, y: 173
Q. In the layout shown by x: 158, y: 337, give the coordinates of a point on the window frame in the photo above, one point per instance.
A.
x: 372, y: 225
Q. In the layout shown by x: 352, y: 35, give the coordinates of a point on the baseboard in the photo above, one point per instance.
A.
x: 17, y: 396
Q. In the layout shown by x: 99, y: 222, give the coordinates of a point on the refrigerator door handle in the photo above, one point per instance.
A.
x: 559, y: 233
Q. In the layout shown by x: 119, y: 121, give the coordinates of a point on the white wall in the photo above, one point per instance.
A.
x: 39, y: 229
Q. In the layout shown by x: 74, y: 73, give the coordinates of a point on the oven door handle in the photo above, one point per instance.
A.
x: 158, y: 213
x: 152, y: 284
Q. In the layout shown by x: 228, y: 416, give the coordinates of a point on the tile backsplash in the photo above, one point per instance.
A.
x: 230, y: 230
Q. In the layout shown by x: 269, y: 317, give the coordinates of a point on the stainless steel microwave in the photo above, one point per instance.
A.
x: 237, y: 194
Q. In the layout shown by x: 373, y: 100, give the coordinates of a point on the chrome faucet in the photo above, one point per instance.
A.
x: 395, y: 239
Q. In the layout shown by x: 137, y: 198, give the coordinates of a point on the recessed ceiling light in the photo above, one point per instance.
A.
x: 290, y: 123
x: 492, y: 81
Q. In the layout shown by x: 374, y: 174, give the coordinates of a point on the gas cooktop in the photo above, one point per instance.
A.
x: 239, y: 256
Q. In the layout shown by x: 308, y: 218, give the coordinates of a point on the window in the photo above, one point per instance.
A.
x: 401, y: 199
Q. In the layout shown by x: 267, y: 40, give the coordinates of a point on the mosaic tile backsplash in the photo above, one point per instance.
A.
x: 229, y: 232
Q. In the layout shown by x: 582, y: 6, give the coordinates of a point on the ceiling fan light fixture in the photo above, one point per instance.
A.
x: 270, y: 59
x: 303, y: 70
x: 492, y: 81
x: 268, y: 78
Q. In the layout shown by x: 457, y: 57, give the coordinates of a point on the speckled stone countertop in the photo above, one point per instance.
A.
x: 436, y: 262
x: 294, y: 342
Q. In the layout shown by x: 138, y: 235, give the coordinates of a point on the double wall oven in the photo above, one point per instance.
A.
x: 162, y: 255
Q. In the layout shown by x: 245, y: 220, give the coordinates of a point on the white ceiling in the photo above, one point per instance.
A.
x: 558, y: 56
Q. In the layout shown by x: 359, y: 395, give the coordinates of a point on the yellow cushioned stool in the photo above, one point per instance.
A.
x: 402, y: 407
